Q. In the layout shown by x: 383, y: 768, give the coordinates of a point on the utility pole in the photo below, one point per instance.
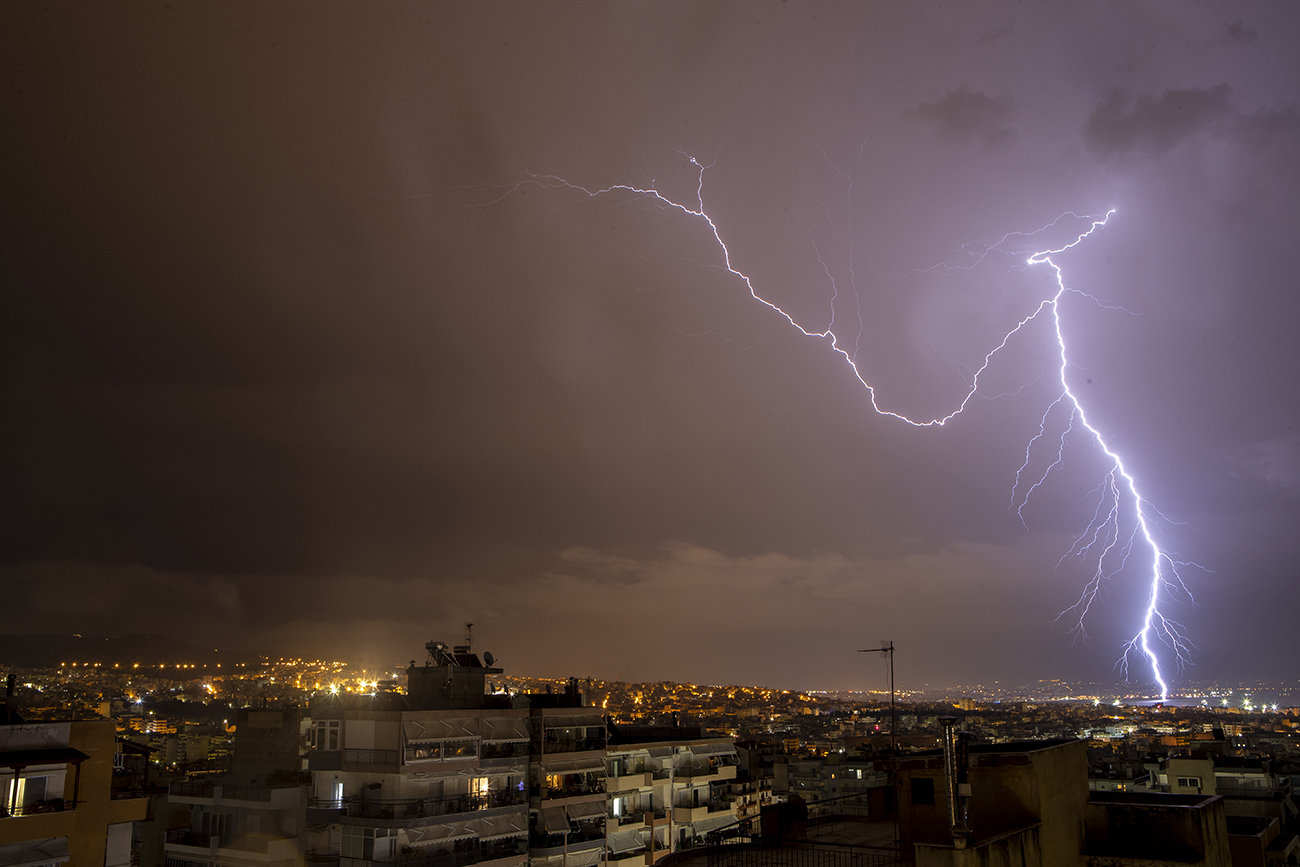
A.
x: 887, y: 647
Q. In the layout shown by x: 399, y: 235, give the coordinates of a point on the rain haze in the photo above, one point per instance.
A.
x: 307, y: 350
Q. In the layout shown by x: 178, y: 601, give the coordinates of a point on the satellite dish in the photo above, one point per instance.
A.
x: 487, y: 656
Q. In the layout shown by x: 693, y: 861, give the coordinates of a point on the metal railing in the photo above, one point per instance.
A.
x: 207, y: 789
x: 632, y: 815
x: 186, y: 837
x: 797, y: 853
x: 590, y: 787
x: 53, y: 805
x: 370, y: 757
x: 715, y: 804
x: 420, y: 808
x: 625, y: 768
x: 513, y: 750
x: 572, y: 745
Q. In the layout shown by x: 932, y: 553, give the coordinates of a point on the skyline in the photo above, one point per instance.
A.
x: 284, y: 370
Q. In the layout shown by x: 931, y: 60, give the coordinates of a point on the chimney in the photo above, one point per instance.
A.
x: 954, y: 769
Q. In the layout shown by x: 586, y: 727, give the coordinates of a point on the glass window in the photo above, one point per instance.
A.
x: 327, y: 734
x: 463, y: 749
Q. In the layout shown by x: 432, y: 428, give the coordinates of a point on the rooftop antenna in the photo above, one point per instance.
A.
x: 469, y: 635
x: 887, y: 647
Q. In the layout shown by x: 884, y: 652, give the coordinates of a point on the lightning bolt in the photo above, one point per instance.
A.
x: 1123, y: 524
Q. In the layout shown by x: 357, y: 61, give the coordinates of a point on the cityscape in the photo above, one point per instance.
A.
x: 287, y: 757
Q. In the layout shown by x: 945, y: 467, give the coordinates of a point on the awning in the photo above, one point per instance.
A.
x: 427, y: 835
x: 509, y: 825
x: 51, y: 850
x: 553, y: 821
x: 505, y: 729
x: 712, y: 749
x: 626, y: 841
x: 587, y: 810
x: 704, y: 826
x: 661, y: 752
x: 439, y: 729
x: 574, y: 766
x: 586, y: 857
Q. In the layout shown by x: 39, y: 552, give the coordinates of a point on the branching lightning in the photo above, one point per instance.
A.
x: 1124, y: 523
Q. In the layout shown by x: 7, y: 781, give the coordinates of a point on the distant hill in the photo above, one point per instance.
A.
x: 48, y: 651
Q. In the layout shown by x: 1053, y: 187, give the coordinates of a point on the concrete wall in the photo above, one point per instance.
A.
x: 1014, y: 849
x: 1132, y: 828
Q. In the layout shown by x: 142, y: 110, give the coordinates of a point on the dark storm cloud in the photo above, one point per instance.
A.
x: 1239, y: 33
x: 1154, y: 125
x: 962, y: 115
x: 71, y: 595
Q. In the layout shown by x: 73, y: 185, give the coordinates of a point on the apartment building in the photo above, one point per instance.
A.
x: 255, y: 816
x: 56, y: 797
x: 670, y: 788
x: 448, y: 775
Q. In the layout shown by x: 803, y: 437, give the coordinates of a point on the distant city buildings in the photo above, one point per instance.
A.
x: 451, y: 762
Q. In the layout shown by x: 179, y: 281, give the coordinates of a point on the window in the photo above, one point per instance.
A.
x: 327, y: 734
x: 462, y: 749
x: 374, y: 844
x: 423, y: 751
x: 1189, y: 782
x: 922, y: 790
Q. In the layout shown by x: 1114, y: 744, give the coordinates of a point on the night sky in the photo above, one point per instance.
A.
x: 296, y: 357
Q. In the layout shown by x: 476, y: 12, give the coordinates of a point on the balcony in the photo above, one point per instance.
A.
x: 36, y: 808
x: 415, y: 809
x: 372, y: 760
x: 210, y: 792
x: 629, y: 781
x: 575, y: 790
x: 720, y: 771
x: 542, y: 845
x: 495, y: 850
x: 634, y: 816
x: 263, y: 848
x: 689, y: 812
x: 551, y: 746
x: 512, y: 750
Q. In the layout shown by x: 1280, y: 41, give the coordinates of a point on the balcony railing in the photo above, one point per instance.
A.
x: 186, y: 837
x: 420, y: 808
x: 586, y: 833
x: 590, y: 787
x: 703, y: 770
x: 370, y: 757
x: 506, y: 847
x: 504, y: 751
x: 53, y: 805
x: 572, y: 745
x: 714, y: 805
x: 634, y: 815
x: 207, y: 789
x: 625, y: 768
